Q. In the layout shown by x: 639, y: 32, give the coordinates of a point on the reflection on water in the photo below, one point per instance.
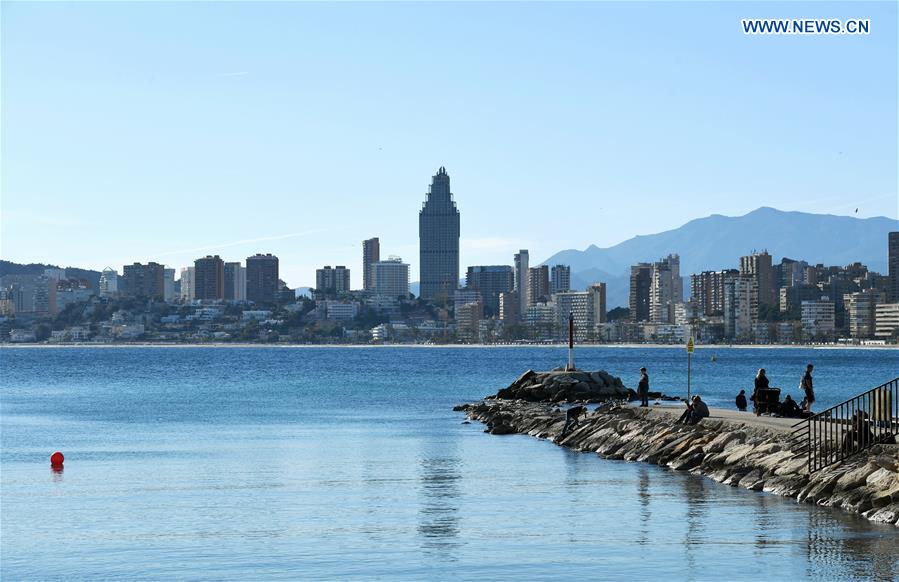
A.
x: 438, y: 513
x: 260, y: 475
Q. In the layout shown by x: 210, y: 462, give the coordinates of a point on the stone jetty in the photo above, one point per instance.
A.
x: 565, y: 386
x: 740, y: 453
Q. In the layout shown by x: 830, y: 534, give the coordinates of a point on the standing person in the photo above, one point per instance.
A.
x: 761, y: 383
x: 806, y: 385
x: 643, y: 387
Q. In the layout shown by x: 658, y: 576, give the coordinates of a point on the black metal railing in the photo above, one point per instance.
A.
x: 846, y: 429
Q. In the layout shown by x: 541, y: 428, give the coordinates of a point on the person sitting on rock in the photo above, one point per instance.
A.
x: 695, y: 412
x: 859, y: 435
x: 571, y: 418
x: 789, y: 408
x: 741, y: 401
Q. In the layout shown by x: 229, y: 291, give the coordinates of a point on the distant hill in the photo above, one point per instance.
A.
x: 10, y: 268
x: 718, y: 242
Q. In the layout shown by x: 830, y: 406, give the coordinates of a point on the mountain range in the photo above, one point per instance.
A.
x: 718, y: 242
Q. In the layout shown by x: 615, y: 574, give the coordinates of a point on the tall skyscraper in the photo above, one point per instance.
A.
x: 560, y: 279
x: 438, y: 236
x: 371, y: 253
x: 262, y: 278
x: 538, y: 284
x: 521, y: 280
x: 187, y: 284
x: 209, y: 278
x: 235, y: 282
x: 893, y: 265
x: 490, y: 280
x: 638, y: 299
x: 758, y: 266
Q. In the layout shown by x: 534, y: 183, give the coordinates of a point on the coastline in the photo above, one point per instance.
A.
x: 560, y: 346
x: 740, y: 453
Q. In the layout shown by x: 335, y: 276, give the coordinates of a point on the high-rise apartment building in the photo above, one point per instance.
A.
x: 758, y: 266
x: 209, y: 278
x: 707, y: 290
x: 187, y: 284
x: 818, y: 319
x: 109, y: 282
x: 560, y: 279
x: 490, y: 280
x: 334, y: 281
x: 893, y: 265
x: 521, y: 280
x: 741, y: 307
x: 588, y: 309
x: 638, y: 299
x: 861, y: 307
x: 538, y: 284
x: 391, y: 278
x: 509, y: 307
x: 235, y: 282
x: 262, y: 278
x: 438, y: 236
x: 169, y: 284
x: 146, y: 281
x: 371, y: 253
x: 665, y: 289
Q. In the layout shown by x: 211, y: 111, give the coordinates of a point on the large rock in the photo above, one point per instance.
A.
x: 562, y: 386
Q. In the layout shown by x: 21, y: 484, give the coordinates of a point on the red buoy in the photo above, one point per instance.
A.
x: 56, y: 459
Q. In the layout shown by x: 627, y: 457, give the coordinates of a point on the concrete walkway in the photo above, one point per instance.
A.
x: 774, y: 423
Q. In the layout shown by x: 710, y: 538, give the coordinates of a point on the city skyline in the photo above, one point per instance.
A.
x: 101, y: 144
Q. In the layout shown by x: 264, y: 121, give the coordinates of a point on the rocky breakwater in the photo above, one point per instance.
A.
x: 730, y: 452
x: 565, y: 386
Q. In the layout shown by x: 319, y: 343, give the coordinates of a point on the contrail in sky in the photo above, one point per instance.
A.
x: 246, y: 241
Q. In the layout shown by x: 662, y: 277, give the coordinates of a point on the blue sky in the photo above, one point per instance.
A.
x: 166, y: 131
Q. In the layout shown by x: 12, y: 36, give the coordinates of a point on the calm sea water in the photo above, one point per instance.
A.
x: 347, y: 463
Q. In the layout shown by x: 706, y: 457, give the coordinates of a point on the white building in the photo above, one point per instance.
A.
x: 887, y: 321
x: 586, y: 308
x: 818, y: 319
x: 109, y: 282
x: 860, y: 307
x: 741, y: 307
x: 665, y: 290
x: 341, y: 310
x: 540, y: 318
x: 188, y: 289
x: 391, y: 278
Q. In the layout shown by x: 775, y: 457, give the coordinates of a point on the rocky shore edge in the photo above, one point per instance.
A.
x: 729, y: 452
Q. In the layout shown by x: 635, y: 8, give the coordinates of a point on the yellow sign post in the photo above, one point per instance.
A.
x: 689, y: 366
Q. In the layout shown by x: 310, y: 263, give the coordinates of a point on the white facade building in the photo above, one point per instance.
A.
x: 818, y: 319
x: 391, y: 277
x: 187, y: 284
x: 887, y: 321
x: 109, y: 282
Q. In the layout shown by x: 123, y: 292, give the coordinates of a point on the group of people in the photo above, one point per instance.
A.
x: 788, y: 407
x: 697, y: 409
